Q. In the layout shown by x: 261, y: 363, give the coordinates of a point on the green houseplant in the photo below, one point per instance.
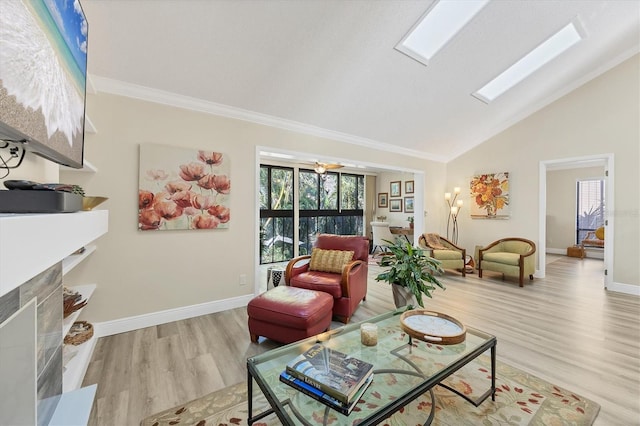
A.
x: 409, y: 269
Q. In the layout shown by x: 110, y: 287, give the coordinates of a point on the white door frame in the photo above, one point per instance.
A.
x: 607, y: 159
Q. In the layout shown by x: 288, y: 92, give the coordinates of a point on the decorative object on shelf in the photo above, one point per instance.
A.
x: 411, y: 268
x: 383, y: 199
x: 89, y: 203
x: 381, y: 218
x: 72, y: 301
x: 80, y: 332
x: 408, y: 187
x: 490, y: 196
x: 394, y: 189
x: 454, y: 206
x: 410, y: 220
x: 197, y: 198
x: 433, y: 327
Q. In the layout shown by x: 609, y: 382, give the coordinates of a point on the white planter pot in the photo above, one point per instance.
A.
x: 402, y: 296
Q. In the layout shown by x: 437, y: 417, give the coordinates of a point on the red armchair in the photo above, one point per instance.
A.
x: 348, y: 287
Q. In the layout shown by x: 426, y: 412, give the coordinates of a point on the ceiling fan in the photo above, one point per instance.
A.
x: 321, y: 168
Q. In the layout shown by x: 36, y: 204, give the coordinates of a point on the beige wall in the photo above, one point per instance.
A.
x: 561, y: 205
x: 601, y: 117
x: 143, y: 272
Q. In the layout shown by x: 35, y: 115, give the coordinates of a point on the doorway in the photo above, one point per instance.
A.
x: 603, y: 160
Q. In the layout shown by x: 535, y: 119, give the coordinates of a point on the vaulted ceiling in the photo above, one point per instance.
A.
x: 331, y: 64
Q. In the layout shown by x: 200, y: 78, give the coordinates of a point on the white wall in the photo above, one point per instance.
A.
x: 601, y: 117
x: 143, y: 272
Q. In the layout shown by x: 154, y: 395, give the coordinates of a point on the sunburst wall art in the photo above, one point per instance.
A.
x: 182, y: 189
x: 490, y: 196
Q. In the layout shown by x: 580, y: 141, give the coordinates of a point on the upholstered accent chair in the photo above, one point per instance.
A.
x: 511, y: 256
x: 381, y: 235
x: 450, y: 255
x: 338, y: 265
x: 594, y: 239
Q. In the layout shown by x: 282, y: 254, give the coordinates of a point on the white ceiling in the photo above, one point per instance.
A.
x: 331, y: 64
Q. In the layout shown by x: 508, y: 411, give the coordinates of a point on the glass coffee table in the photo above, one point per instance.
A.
x: 404, y: 369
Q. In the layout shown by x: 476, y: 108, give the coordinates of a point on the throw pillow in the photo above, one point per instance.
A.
x: 433, y: 241
x: 329, y: 260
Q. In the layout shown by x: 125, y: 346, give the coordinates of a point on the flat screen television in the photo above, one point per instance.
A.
x: 43, y: 71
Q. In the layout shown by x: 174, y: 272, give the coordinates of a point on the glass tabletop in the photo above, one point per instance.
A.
x: 403, y: 370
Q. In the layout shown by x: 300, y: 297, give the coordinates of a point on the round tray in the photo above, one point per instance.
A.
x: 434, y: 327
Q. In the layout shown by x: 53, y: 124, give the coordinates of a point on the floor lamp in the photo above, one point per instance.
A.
x: 454, y: 206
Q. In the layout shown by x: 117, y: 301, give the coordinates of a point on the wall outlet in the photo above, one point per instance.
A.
x: 242, y: 279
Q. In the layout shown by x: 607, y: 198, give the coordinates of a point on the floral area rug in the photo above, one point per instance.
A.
x: 521, y: 399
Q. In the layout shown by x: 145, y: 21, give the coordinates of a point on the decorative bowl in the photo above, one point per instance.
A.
x: 88, y: 203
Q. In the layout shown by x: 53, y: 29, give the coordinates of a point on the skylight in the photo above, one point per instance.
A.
x: 534, y: 60
x: 437, y: 26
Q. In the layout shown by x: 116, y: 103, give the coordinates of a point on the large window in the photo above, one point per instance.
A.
x: 590, y: 207
x: 276, y: 214
x: 332, y: 203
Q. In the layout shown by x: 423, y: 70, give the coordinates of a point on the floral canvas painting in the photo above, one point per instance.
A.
x: 490, y: 196
x: 182, y: 188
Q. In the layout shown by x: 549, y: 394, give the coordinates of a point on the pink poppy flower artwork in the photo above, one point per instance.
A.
x: 183, y: 189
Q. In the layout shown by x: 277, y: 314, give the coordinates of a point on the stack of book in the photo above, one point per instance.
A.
x: 329, y: 376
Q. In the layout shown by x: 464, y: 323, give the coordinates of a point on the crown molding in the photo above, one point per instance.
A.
x: 129, y: 90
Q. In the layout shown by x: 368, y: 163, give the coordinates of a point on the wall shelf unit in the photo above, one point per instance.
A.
x: 29, y: 245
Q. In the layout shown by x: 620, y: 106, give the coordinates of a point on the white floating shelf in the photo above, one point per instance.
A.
x: 76, y: 368
x: 49, y: 237
x: 70, y: 262
x: 74, y: 407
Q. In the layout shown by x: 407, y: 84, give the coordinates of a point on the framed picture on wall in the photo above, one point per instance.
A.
x: 383, y: 199
x: 408, y: 204
x: 395, y: 205
x: 395, y: 189
x: 408, y: 187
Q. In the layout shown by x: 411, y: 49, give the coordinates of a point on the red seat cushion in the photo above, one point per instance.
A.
x: 327, y: 282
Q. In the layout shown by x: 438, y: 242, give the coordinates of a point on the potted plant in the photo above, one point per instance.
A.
x: 410, y: 219
x: 410, y: 273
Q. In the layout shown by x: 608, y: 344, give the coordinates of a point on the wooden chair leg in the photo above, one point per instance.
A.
x: 254, y: 337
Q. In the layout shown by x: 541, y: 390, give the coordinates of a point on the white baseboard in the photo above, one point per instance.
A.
x: 624, y: 288
x: 556, y: 251
x: 122, y: 325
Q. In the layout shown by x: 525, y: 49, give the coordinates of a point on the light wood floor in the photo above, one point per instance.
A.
x: 565, y: 329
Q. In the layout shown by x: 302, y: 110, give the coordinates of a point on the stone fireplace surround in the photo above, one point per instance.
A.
x: 32, y: 247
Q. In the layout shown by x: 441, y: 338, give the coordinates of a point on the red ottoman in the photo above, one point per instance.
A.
x: 287, y: 314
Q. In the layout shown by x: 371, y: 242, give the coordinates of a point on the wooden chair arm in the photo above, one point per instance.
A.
x: 451, y: 244
x: 292, y: 267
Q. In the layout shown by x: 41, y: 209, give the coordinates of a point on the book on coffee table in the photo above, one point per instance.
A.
x: 334, y: 373
x: 322, y: 397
